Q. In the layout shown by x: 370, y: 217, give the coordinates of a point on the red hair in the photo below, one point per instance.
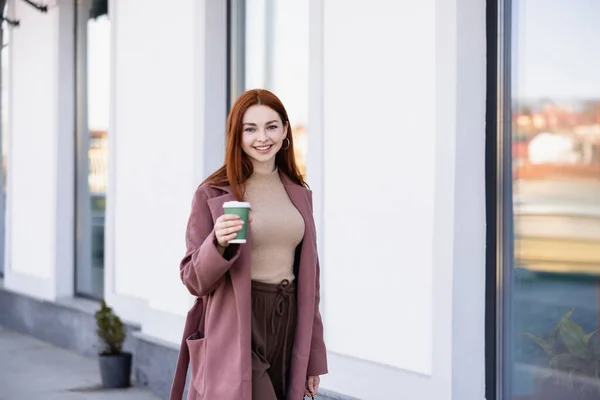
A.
x: 238, y: 167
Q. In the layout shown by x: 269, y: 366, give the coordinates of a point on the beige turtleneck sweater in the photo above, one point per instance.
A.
x: 277, y: 228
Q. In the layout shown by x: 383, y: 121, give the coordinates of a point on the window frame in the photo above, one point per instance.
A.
x: 499, y: 219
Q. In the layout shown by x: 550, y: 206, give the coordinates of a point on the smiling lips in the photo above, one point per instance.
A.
x: 263, y: 149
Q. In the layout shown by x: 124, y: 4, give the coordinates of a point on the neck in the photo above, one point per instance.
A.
x: 264, y: 168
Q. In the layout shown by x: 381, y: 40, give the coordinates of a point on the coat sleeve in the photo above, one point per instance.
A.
x: 202, y: 267
x: 317, y: 361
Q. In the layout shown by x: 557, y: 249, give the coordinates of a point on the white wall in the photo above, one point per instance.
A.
x: 379, y: 127
x: 40, y: 163
x: 152, y: 136
x: 166, y: 97
x: 400, y: 270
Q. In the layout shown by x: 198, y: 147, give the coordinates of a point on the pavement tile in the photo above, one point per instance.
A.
x: 32, y: 369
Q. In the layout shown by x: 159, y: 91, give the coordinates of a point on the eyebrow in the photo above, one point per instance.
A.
x: 253, y: 124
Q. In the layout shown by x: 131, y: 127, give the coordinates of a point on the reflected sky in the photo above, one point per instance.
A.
x: 550, y: 38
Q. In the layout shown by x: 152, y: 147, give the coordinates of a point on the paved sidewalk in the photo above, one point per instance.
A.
x: 31, y: 369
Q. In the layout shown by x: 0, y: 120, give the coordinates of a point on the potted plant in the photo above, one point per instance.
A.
x: 573, y: 363
x: 115, y: 364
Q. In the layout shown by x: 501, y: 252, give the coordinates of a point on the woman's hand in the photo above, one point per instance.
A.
x: 312, y: 385
x: 226, y: 228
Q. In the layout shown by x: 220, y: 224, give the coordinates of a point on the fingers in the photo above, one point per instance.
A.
x: 228, y: 221
x: 228, y: 217
x: 312, y: 385
x: 232, y: 217
x: 229, y: 227
x: 226, y: 228
x: 225, y: 239
x: 316, y: 382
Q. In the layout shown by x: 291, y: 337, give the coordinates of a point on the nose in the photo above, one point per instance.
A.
x: 262, y: 134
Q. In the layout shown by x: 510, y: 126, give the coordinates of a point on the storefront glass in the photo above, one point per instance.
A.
x: 93, y: 105
x: 4, y: 132
x: 552, y: 304
x: 269, y: 50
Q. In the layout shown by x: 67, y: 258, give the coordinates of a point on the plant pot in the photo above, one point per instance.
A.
x: 115, y: 370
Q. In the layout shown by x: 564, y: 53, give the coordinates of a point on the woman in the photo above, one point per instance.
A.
x: 255, y: 331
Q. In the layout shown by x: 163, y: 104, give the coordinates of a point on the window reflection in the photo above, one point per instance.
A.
x: 555, y: 354
x: 93, y: 82
x: 3, y: 133
x: 275, y: 57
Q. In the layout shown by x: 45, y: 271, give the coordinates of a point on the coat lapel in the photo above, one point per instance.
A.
x: 240, y: 274
x: 306, y: 286
x: 216, y: 203
x: 300, y: 199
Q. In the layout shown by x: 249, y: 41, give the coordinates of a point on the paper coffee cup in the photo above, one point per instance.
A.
x: 243, y: 210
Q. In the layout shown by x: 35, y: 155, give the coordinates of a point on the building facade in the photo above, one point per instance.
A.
x: 453, y: 156
x: 112, y: 128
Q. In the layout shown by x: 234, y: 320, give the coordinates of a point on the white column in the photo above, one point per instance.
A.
x: 168, y: 123
x: 468, y: 289
x: 39, y: 253
x: 403, y: 221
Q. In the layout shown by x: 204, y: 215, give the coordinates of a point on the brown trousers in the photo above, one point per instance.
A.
x: 273, y: 327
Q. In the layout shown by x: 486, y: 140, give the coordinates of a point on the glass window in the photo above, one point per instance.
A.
x: 553, y: 304
x: 3, y: 131
x: 93, y: 83
x: 269, y: 50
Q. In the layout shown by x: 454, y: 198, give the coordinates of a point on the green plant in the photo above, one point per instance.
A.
x: 110, y: 330
x: 573, y: 357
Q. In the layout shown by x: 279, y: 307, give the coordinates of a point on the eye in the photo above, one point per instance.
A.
x: 249, y: 129
x: 272, y: 127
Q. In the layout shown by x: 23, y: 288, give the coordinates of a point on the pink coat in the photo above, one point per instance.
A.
x: 217, y: 334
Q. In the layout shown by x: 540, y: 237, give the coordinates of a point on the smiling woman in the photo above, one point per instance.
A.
x: 252, y: 108
x: 279, y: 258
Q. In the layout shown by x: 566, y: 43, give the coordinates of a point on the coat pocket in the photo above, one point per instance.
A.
x: 197, y: 348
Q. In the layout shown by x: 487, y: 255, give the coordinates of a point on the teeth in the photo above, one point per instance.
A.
x: 263, y: 147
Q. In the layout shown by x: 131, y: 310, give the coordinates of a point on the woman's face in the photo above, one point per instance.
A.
x: 263, y: 134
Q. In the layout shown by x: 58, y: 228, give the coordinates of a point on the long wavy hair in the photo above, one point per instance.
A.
x: 237, y: 167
